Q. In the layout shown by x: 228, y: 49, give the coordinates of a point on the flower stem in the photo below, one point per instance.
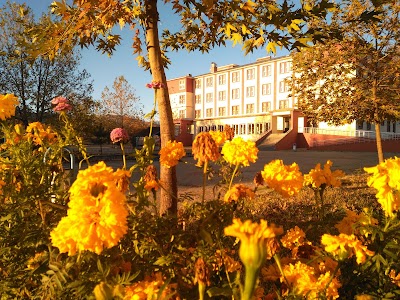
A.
x: 123, y: 154
x: 249, y: 283
x: 233, y: 175
x: 202, y: 290
x: 204, y: 180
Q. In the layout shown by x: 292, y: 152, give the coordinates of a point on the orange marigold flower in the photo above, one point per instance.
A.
x: 97, y: 214
x: 286, y: 180
x: 240, y: 152
x: 239, y: 191
x: 171, y: 153
x: 293, y: 237
x: 229, y: 132
x: 345, y: 246
x: 318, y: 177
x: 150, y: 178
x: 40, y: 134
x: 8, y: 103
x: 122, y: 178
x: 385, y: 178
x: 204, y: 148
x: 202, y: 272
x: 149, y: 289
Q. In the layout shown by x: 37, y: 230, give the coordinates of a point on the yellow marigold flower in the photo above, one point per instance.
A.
x: 218, y: 136
x: 328, y: 287
x: 346, y: 225
x: 345, y: 246
x: 385, y: 177
x: 96, y: 218
x: 240, y: 152
x: 171, y: 153
x: 8, y: 103
x: 239, y: 191
x: 294, y: 237
x: 301, y: 278
x: 286, y: 180
x: 204, y: 148
x: 222, y: 258
x: 253, y: 239
x: 325, y: 176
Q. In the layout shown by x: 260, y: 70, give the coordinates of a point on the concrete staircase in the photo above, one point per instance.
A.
x: 269, y: 143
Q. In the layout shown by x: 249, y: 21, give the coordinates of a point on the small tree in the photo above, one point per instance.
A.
x: 356, y: 78
x: 121, y: 100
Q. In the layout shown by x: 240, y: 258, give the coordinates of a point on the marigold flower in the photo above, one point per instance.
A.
x: 229, y: 132
x: 96, y: 218
x: 345, y: 246
x: 239, y: 191
x: 303, y: 281
x: 171, y: 153
x: 258, y: 179
x: 122, y: 179
x: 61, y: 104
x: 240, y: 152
x: 119, y: 135
x: 8, y: 103
x: 293, y: 237
x: 385, y: 178
x: 318, y: 177
x: 40, y: 134
x: 149, y: 289
x: 204, y: 148
x: 364, y: 297
x: 222, y: 258
x: 286, y: 180
x: 218, y: 136
x: 150, y: 178
x: 253, y: 239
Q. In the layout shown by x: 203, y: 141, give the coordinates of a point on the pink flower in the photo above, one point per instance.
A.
x: 155, y: 85
x: 61, y: 104
x: 119, y: 135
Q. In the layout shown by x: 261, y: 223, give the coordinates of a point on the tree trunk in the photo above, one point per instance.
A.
x: 168, y: 198
x: 377, y: 124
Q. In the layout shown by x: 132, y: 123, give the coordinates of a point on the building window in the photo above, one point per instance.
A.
x: 181, y: 99
x: 197, y: 113
x: 368, y: 126
x: 265, y: 106
x: 236, y: 128
x: 209, y: 82
x: 235, y: 76
x: 221, y: 111
x: 285, y: 67
x: 235, y: 94
x: 182, y: 84
x: 198, y: 99
x: 221, y: 79
x: 242, y: 129
x: 221, y: 95
x: 182, y: 113
x: 250, y: 74
x: 235, y: 110
x: 250, y: 91
x: 284, y: 86
x: 266, y: 71
x: 283, y: 104
x: 198, y: 83
x: 249, y: 108
x: 266, y: 89
x: 209, y: 97
x: 209, y: 112
x: 250, y: 129
x: 259, y: 128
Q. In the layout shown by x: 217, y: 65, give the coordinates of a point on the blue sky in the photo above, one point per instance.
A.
x: 104, y: 69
